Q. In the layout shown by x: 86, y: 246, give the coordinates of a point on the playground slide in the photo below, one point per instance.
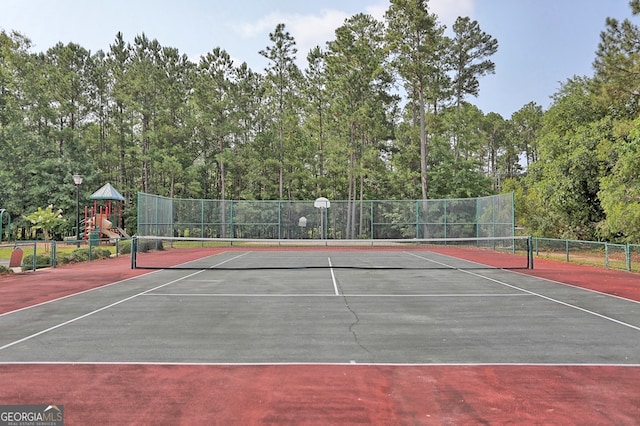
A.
x: 110, y: 234
x: 105, y: 229
x: 122, y: 232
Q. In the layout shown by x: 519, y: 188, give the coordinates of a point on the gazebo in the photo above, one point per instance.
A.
x: 105, y: 216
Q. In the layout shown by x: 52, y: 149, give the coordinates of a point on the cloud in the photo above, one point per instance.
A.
x: 308, y: 30
x: 449, y: 10
x: 378, y: 10
x: 315, y: 29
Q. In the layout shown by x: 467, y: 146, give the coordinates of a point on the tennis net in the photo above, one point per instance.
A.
x: 153, y: 252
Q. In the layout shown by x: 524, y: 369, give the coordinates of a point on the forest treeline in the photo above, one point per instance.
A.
x: 382, y: 111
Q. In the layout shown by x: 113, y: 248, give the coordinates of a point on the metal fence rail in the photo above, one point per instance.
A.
x: 624, y: 257
x: 38, y: 254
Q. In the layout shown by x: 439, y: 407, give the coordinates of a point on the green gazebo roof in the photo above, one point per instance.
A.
x: 107, y: 192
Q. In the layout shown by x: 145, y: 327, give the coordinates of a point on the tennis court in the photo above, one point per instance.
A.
x: 314, y: 308
x: 329, y: 315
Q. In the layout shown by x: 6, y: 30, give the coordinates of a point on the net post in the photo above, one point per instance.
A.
x: 134, y: 250
x: 530, y: 252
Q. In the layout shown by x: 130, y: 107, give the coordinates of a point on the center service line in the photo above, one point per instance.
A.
x: 333, y: 278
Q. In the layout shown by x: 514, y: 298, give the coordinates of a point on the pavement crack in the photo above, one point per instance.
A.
x: 353, y: 325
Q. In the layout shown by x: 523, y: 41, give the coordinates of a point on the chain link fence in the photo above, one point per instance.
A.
x: 491, y: 216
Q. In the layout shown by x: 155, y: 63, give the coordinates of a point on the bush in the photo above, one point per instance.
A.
x: 124, y: 246
x: 42, y: 261
x: 147, y: 245
x: 82, y: 255
x: 4, y: 270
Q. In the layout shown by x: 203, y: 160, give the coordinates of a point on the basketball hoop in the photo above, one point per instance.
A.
x: 322, y: 204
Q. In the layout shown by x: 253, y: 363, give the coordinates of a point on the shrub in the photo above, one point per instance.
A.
x: 124, y: 246
x: 42, y: 261
x: 82, y: 255
x: 147, y: 245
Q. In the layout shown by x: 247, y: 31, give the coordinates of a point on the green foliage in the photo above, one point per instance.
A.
x: 124, y: 246
x: 620, y: 191
x: 144, y: 117
x: 46, y: 220
x: 146, y: 245
x: 471, y: 49
x: 85, y: 254
x: 41, y: 261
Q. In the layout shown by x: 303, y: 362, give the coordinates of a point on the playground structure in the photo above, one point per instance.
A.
x: 104, y: 220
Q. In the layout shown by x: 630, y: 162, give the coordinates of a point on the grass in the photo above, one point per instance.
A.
x: 5, y: 251
x: 593, y: 258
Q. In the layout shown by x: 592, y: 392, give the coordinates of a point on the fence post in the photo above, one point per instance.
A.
x: 53, y: 253
x: 35, y: 255
x: 627, y: 253
x: 371, y: 228
x: 134, y: 250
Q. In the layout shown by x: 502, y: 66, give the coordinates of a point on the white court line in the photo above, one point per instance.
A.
x: 440, y: 263
x: 333, y: 278
x: 588, y: 290
x: 46, y: 302
x: 350, y: 363
x: 239, y: 295
x: 88, y: 314
x: 542, y: 296
x: 560, y: 302
x: 450, y: 295
x: 92, y: 312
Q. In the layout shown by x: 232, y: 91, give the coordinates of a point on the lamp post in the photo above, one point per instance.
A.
x: 77, y: 179
x: 1, y: 214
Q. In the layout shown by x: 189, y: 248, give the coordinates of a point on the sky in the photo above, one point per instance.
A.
x: 542, y: 43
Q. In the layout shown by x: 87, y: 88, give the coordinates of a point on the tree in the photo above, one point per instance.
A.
x: 147, y: 86
x: 617, y: 66
x: 500, y: 160
x: 526, y: 124
x: 282, y: 79
x: 215, y: 123
x: 145, y: 117
x: 68, y: 67
x: 248, y: 165
x: 359, y: 85
x: 415, y: 39
x: 469, y: 50
x: 460, y: 173
x: 565, y: 181
x: 620, y: 190
x: 46, y: 220
x: 317, y: 105
x: 13, y: 131
x: 617, y: 84
x: 119, y: 139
